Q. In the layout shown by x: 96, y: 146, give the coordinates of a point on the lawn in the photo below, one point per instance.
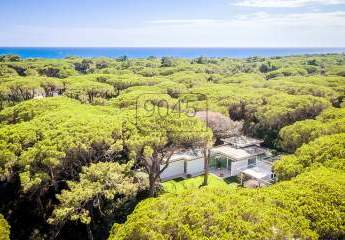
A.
x: 180, y: 184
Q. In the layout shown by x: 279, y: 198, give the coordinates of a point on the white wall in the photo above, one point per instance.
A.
x: 195, y: 166
x: 174, y: 169
x: 238, y: 166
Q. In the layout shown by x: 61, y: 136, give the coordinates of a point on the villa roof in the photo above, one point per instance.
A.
x: 242, y: 141
x: 236, y: 148
x: 237, y: 154
x: 186, y: 155
x: 257, y: 172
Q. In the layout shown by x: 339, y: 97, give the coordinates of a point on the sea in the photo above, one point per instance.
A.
x: 144, y: 52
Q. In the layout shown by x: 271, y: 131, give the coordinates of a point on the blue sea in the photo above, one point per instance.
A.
x: 62, y: 52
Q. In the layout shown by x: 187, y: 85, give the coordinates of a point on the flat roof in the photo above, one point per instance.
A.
x: 238, y: 153
x: 257, y: 172
x: 186, y: 155
x: 242, y: 141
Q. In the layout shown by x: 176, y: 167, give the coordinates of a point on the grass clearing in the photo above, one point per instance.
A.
x: 179, y: 185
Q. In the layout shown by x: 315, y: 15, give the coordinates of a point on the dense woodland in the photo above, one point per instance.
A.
x: 82, y: 140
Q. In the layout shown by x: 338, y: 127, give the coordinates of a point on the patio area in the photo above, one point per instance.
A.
x: 220, y: 172
x: 258, y: 176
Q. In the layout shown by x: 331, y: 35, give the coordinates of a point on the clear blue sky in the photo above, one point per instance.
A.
x: 213, y: 23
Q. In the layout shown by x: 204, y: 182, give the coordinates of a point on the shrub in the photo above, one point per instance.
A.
x: 4, y: 229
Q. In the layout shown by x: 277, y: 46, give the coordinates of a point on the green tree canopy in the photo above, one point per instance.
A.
x: 330, y: 121
x: 155, y: 137
x: 102, y: 188
x: 324, y: 151
x: 46, y: 146
x: 308, y: 207
x: 4, y: 229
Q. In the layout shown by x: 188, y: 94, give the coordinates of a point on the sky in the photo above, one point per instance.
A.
x: 172, y: 23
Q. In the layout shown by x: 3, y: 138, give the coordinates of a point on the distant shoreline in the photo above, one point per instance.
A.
x: 180, y: 52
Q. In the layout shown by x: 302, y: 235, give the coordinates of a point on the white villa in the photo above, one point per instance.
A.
x: 237, y: 156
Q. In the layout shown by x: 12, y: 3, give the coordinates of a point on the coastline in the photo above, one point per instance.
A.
x: 178, y: 52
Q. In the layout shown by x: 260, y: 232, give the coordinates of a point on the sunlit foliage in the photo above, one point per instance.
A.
x: 324, y: 151
x: 330, y: 121
x: 287, y: 210
x: 102, y: 188
x: 65, y: 124
x: 4, y: 229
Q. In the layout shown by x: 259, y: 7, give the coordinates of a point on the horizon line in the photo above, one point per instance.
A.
x: 195, y: 47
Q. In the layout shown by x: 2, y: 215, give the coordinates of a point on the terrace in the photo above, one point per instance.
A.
x: 242, y: 141
x: 261, y: 171
x: 239, y: 156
